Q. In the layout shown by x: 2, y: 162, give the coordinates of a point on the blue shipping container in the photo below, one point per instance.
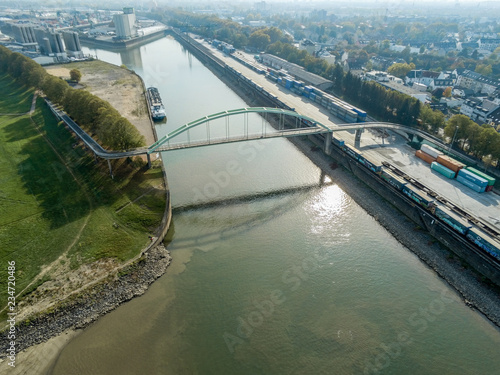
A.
x: 479, y: 181
x: 471, y: 185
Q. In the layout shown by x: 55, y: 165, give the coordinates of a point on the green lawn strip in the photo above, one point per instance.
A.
x: 14, y: 98
x: 40, y: 211
x: 42, y: 207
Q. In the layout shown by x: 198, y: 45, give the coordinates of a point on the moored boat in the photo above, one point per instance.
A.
x: 155, y: 104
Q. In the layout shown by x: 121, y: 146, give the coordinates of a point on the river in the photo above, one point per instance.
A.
x: 293, y: 278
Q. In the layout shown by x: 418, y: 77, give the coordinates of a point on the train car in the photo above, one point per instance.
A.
x: 338, y: 142
x: 361, y: 114
x: 483, y: 241
x: 375, y: 168
x: 452, y: 219
x: 352, y: 151
x: 418, y: 196
x: 392, y: 179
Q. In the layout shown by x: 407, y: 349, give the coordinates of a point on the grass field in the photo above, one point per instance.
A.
x: 55, y: 200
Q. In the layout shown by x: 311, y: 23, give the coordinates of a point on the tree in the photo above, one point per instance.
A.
x: 274, y: 33
x: 457, y: 128
x: 483, y: 69
x: 488, y: 143
x: 400, y: 69
x: 75, y: 75
x: 55, y: 88
x: 259, y: 40
x: 447, y: 92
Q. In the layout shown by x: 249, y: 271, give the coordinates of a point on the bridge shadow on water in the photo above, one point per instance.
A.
x: 279, y: 202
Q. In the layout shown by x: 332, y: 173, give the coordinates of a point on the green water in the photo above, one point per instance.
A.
x: 303, y: 282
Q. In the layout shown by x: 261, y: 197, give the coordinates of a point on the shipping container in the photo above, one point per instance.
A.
x: 479, y: 181
x: 392, y: 179
x: 431, y: 151
x: 452, y: 219
x: 424, y: 156
x: 450, y: 163
x: 417, y: 196
x: 486, y: 243
x: 446, y: 172
x: 491, y: 180
x: 470, y: 184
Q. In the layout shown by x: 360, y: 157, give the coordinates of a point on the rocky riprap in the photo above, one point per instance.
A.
x: 81, y: 310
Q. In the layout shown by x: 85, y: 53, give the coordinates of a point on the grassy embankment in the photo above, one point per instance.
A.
x: 57, y: 205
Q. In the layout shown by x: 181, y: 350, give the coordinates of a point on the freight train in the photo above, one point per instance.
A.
x: 480, y: 234
x: 337, y: 107
x: 486, y: 238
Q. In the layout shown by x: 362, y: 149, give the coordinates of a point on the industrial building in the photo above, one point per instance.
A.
x: 125, y: 24
x: 296, y: 70
x: 24, y: 34
x: 72, y: 42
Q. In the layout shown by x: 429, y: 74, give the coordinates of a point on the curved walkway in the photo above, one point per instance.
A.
x: 163, y: 144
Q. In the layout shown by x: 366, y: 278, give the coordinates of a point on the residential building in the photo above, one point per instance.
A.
x: 476, y: 82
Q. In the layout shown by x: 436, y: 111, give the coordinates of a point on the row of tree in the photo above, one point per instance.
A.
x: 384, y: 104
x: 476, y: 140
x: 91, y: 112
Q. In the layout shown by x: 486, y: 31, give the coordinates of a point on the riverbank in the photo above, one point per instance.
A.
x: 122, y: 88
x: 81, y: 310
x: 474, y: 291
x: 466, y: 282
x: 67, y: 298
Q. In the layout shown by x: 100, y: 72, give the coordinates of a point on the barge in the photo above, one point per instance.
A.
x: 155, y: 104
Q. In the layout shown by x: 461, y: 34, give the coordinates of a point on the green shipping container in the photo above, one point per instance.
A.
x: 442, y: 169
x: 491, y: 180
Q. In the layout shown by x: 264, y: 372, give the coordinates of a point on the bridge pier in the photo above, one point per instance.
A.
x: 358, y: 135
x: 328, y: 143
x: 149, y: 161
x: 110, y: 169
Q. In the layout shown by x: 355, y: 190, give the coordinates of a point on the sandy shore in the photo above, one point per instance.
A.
x: 122, y: 88
x: 38, y: 359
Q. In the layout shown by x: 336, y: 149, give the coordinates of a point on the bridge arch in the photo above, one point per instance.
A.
x: 316, y: 127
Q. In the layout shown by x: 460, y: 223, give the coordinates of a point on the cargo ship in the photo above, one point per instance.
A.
x: 155, y: 104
